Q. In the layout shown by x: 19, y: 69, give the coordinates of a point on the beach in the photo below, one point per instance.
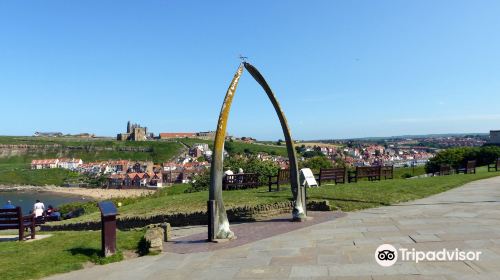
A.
x: 98, y: 194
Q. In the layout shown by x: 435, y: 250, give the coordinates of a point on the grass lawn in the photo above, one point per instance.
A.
x: 401, y: 171
x: 62, y: 252
x: 347, y: 197
x: 56, y: 176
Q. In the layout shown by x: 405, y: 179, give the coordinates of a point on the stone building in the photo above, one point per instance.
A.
x: 134, y: 133
x: 206, y: 135
x: 494, y: 137
x: 173, y: 135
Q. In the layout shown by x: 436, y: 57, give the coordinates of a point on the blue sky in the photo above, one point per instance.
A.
x: 340, y: 69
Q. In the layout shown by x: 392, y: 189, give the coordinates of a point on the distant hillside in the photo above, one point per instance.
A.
x: 23, y: 149
x: 237, y: 147
x: 19, y: 151
x: 16, y: 154
x: 403, y: 136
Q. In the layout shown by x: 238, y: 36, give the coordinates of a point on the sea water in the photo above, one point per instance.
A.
x: 26, y: 199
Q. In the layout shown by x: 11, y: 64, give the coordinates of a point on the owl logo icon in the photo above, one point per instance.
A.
x: 386, y: 255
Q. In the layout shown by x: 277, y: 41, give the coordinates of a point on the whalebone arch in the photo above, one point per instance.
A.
x: 218, y: 222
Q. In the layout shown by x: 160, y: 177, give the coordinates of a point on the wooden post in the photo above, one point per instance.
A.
x: 108, y: 227
x: 211, y: 219
x: 108, y: 236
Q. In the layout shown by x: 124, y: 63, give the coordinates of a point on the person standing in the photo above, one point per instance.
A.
x: 38, y: 208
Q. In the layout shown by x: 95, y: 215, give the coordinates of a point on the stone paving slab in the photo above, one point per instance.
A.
x: 465, y: 218
x: 250, y: 232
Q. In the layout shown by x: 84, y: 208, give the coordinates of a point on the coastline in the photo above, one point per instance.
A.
x: 98, y: 194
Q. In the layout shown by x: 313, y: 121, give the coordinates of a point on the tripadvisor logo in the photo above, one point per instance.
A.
x: 386, y: 255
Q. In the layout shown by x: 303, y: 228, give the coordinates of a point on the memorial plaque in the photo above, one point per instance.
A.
x: 307, y: 178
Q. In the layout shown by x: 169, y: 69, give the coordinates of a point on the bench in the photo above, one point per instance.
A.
x: 283, y: 177
x: 469, y: 168
x: 387, y: 171
x: 14, y: 219
x: 494, y: 166
x: 371, y: 172
x: 240, y: 181
x: 444, y: 169
x: 332, y: 174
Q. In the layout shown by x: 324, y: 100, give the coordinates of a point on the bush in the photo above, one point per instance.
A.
x: 457, y: 157
x: 316, y: 163
x: 253, y: 165
x: 311, y: 154
x: 91, y: 205
x: 88, y: 207
x: 248, y: 164
x: 406, y: 175
x: 200, y: 183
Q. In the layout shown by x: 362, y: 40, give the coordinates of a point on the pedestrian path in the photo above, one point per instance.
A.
x: 464, y: 218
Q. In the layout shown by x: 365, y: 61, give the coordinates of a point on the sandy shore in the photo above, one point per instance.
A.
x: 89, y: 193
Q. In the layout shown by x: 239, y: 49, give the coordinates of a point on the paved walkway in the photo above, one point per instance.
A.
x: 248, y: 233
x: 27, y: 238
x: 467, y: 218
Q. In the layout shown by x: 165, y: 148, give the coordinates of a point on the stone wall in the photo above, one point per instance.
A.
x: 237, y: 214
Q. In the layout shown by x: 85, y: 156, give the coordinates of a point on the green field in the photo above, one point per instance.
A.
x: 62, y: 252
x: 247, y: 148
x: 347, y: 197
x: 56, y: 176
x: 237, y: 147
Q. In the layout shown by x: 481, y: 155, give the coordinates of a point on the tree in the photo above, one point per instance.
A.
x: 316, y: 163
x: 457, y: 157
x: 251, y: 164
x: 310, y: 154
x: 453, y: 156
x: 200, y: 182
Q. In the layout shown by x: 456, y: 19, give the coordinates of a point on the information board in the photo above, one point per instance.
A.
x: 107, y: 208
x: 307, y: 178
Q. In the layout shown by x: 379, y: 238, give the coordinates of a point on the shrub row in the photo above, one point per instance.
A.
x: 457, y: 157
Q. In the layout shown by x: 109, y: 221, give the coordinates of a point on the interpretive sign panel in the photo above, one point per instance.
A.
x: 307, y: 178
x: 107, y: 208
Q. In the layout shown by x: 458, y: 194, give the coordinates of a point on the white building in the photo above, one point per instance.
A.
x: 44, y: 163
x: 69, y: 163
